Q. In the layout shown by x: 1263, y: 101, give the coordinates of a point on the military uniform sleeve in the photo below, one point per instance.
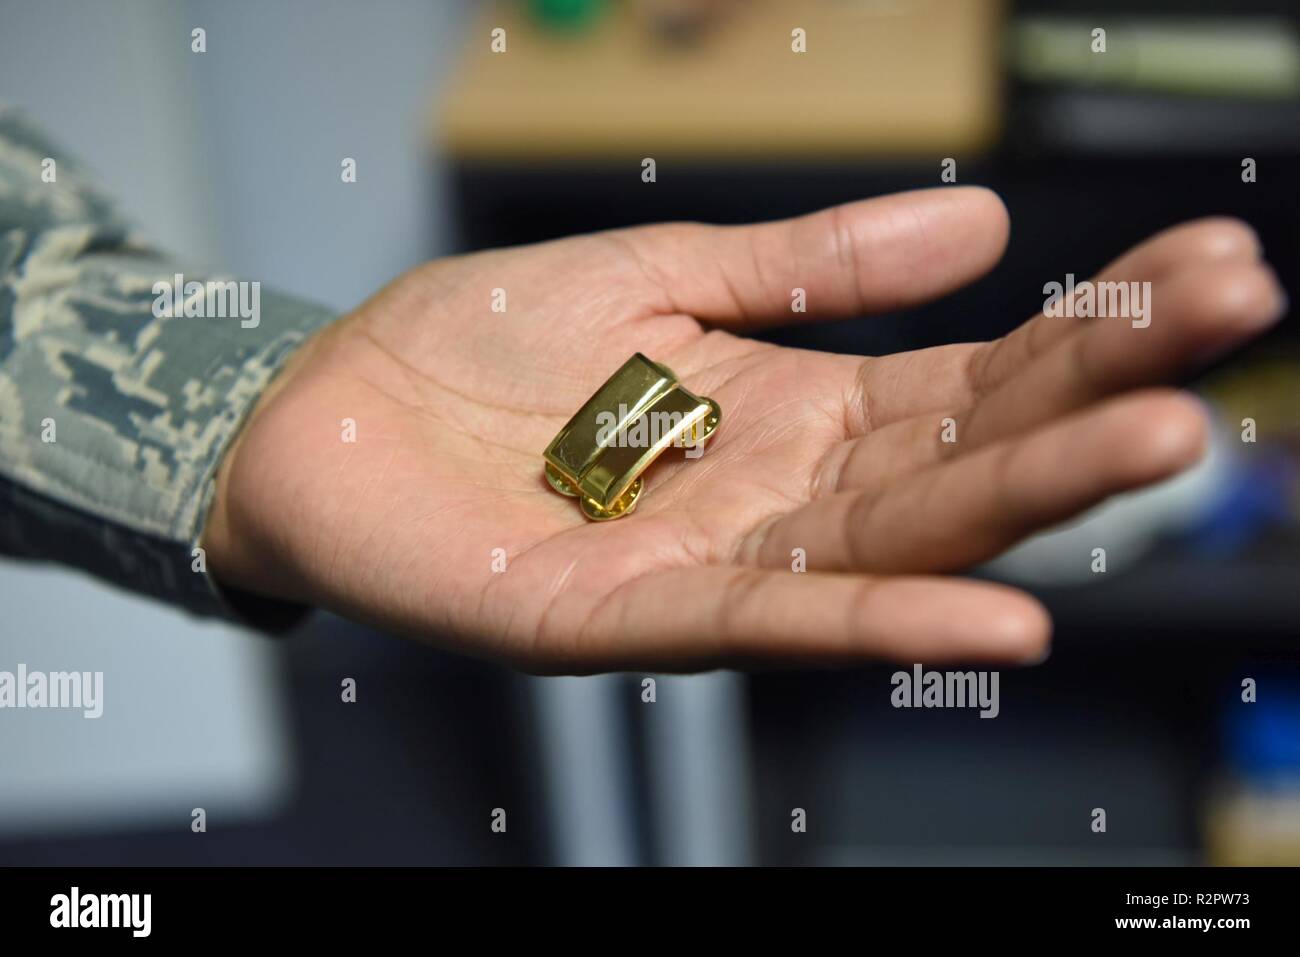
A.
x: 114, y: 414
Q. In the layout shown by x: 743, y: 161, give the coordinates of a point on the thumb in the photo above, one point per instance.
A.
x: 873, y: 255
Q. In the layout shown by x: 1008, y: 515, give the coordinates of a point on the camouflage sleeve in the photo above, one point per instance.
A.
x: 123, y: 379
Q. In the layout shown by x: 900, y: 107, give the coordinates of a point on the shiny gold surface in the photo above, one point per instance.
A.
x: 640, y: 411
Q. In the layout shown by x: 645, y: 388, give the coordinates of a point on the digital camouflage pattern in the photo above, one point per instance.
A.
x: 142, y: 407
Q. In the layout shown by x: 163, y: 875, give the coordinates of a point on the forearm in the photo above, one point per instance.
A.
x: 114, y: 417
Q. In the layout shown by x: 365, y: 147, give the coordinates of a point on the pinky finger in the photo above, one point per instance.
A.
x: 692, y: 619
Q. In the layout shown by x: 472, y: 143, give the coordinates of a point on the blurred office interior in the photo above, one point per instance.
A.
x: 232, y: 157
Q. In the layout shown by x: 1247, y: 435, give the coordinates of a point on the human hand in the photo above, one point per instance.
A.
x: 837, y: 455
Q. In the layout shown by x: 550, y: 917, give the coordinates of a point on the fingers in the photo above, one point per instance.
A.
x: 873, y: 255
x: 1193, y: 316
x: 1185, y: 248
x: 955, y: 377
x: 708, y: 617
x: 1209, y: 239
x: 969, y: 509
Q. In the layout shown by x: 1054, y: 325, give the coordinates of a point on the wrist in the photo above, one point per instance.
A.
x: 240, y: 536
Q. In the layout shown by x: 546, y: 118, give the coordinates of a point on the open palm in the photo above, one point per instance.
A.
x: 838, y: 456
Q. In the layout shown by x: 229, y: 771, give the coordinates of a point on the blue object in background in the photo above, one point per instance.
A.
x: 1254, y: 499
x: 1263, y: 737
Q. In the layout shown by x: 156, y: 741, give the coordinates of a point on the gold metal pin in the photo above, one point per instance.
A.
x: 641, y: 410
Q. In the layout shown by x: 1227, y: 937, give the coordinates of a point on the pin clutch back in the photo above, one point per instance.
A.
x: 641, y: 410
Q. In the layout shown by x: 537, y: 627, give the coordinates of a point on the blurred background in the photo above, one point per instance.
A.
x: 232, y: 157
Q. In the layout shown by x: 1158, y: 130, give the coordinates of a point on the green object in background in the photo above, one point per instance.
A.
x: 1216, y: 57
x: 566, y: 14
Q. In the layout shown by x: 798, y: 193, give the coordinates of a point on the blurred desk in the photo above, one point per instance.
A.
x: 879, y: 78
